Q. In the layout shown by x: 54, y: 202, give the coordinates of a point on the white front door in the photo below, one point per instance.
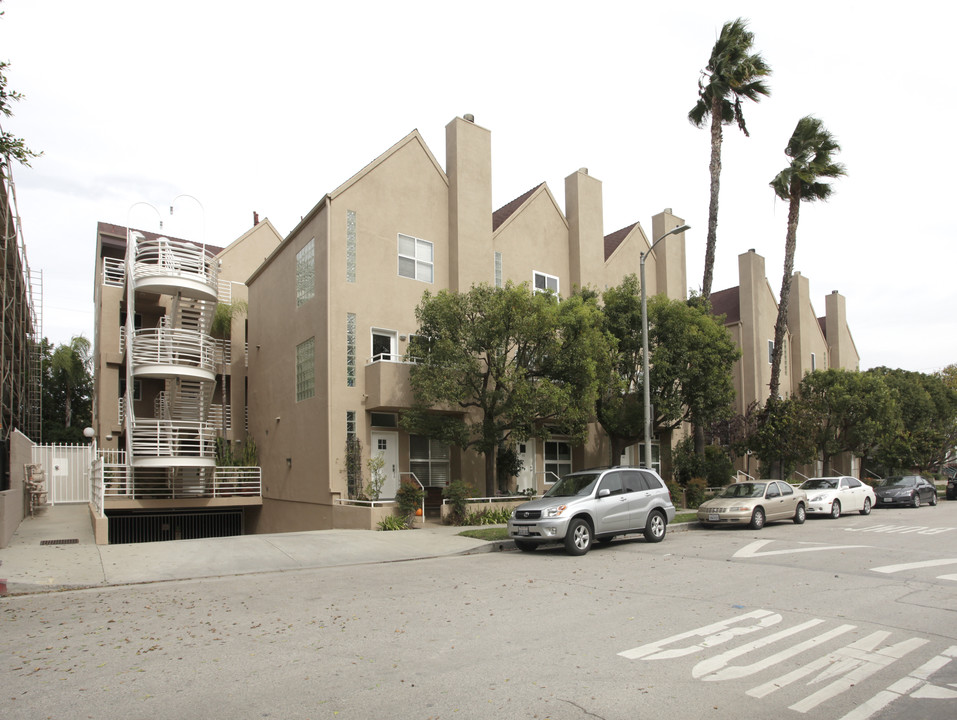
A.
x: 386, y: 444
x: 526, y: 478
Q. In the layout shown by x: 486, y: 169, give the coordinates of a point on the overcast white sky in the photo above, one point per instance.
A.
x: 253, y: 106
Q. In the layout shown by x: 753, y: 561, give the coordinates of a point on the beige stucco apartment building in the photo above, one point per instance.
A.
x: 331, y: 312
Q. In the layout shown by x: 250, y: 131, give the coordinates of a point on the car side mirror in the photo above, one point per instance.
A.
x: 604, y: 492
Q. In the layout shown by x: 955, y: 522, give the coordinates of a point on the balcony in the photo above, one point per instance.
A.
x: 172, y: 267
x: 387, y: 385
x: 169, y: 353
x: 118, y: 484
x: 172, y: 443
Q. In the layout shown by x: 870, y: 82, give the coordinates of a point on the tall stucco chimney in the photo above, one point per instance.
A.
x: 583, y: 209
x: 468, y: 150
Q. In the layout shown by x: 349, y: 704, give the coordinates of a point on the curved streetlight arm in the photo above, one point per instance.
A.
x: 645, y: 372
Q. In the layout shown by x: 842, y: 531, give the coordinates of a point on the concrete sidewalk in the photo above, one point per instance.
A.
x: 28, y: 566
x: 55, y: 551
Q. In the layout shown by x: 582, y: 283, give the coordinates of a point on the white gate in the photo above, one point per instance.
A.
x: 67, y: 471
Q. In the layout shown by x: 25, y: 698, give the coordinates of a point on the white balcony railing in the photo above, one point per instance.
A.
x: 166, y: 346
x: 113, y: 271
x: 163, y: 257
x: 172, y: 439
x: 123, y: 482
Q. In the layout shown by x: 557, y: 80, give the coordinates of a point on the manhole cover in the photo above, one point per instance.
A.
x: 71, y: 541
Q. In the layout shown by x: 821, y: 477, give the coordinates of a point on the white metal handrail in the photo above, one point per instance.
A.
x: 116, y: 481
x: 163, y: 256
x: 166, y: 346
x: 169, y: 438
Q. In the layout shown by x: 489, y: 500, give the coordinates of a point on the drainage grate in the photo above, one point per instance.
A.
x: 71, y: 541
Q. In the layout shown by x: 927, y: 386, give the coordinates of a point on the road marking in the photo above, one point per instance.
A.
x: 914, y: 684
x: 752, y: 550
x: 713, y: 634
x: 900, y: 529
x: 916, y: 565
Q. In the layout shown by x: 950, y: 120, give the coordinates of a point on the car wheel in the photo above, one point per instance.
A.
x: 757, y: 519
x: 800, y: 515
x: 866, y: 510
x: 933, y: 499
x: 656, y: 527
x: 578, y: 537
x: 525, y: 545
x: 916, y: 500
x: 836, y: 509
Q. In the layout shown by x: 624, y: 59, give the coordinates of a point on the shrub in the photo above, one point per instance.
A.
x: 392, y: 523
x: 695, y: 491
x: 677, y: 493
x: 488, y: 516
x: 409, y: 498
x: 457, y: 493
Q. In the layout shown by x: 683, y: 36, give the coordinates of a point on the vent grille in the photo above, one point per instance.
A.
x: 159, y: 527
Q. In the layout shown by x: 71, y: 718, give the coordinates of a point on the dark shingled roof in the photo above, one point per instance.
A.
x: 727, y: 303
x: 615, y: 239
x: 505, y: 212
x: 822, y: 321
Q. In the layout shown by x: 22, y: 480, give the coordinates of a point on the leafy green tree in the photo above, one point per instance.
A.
x: 508, y: 363
x: 927, y: 430
x: 692, y: 355
x: 733, y: 74
x: 851, y: 411
x: 784, y: 437
x: 811, y: 149
x: 67, y: 396
x: 11, y: 146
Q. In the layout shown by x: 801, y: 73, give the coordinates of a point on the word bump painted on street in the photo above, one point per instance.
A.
x: 833, y: 672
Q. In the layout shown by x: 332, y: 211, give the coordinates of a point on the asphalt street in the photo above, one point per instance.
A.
x: 851, y: 618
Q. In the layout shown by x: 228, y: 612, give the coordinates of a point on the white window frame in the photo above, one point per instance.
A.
x: 421, y: 256
x: 306, y: 369
x: 545, y: 280
x: 436, y: 463
x: 393, y: 337
x: 813, y: 362
x: 557, y: 466
x: 770, y: 351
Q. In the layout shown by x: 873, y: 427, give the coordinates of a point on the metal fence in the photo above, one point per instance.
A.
x: 67, y: 471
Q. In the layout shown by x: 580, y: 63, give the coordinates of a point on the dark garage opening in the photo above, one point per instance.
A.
x: 153, y: 526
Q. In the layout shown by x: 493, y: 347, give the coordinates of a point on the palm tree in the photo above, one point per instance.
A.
x: 72, y: 361
x: 810, y: 148
x: 733, y: 74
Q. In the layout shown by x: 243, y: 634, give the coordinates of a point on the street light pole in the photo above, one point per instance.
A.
x: 645, y: 372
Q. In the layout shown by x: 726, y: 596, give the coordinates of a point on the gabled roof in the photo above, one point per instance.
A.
x: 822, y: 322
x: 727, y: 303
x: 616, y: 238
x: 506, y: 211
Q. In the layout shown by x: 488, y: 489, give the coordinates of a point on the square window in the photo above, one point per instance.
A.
x: 415, y: 258
x: 544, y: 283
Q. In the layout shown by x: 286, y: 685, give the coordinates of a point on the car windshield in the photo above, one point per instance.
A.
x: 571, y: 485
x: 819, y: 484
x: 744, y: 490
x: 897, y: 482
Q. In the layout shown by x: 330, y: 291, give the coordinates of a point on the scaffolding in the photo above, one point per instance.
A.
x: 21, y: 296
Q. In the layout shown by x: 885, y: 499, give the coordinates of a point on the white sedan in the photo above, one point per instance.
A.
x: 835, y: 495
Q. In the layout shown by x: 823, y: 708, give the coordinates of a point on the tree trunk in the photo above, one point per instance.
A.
x: 490, y: 473
x: 715, y: 167
x: 781, y: 326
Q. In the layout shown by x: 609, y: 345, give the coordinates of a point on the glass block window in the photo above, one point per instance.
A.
x: 350, y: 246
x: 498, y: 269
x: 306, y: 273
x: 558, y: 459
x: 543, y: 282
x: 415, y: 258
x: 350, y: 423
x: 350, y: 349
x: 306, y: 370
x: 429, y: 461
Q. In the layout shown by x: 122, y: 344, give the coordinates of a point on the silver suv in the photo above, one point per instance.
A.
x: 595, y: 504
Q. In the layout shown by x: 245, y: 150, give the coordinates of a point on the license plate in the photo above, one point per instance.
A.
x: 887, y: 499
x: 713, y: 517
x: 522, y: 530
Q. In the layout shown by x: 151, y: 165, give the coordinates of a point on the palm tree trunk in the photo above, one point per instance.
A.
x: 716, y: 138
x: 782, y: 323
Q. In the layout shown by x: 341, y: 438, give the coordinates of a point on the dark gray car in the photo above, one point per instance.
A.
x: 595, y: 504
